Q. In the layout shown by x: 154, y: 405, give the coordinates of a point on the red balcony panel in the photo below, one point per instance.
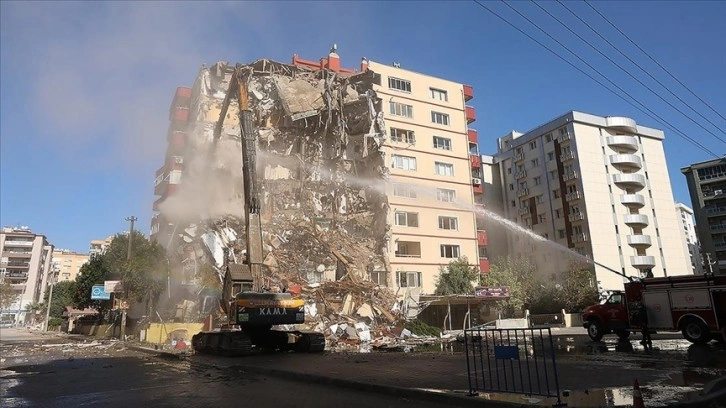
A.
x: 176, y: 137
x: 179, y: 114
x: 482, y: 239
x: 183, y: 92
x: 468, y: 92
x: 473, y: 136
x: 478, y: 189
x: 171, y: 190
x: 470, y: 114
x: 160, y: 170
x: 484, y: 265
x: 475, y: 161
x: 175, y: 162
x: 155, y: 207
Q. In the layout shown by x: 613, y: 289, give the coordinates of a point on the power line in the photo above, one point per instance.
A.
x: 653, y: 59
x: 636, y: 64
x: 652, y: 114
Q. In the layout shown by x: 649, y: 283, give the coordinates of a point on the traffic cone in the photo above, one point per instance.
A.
x: 637, y: 396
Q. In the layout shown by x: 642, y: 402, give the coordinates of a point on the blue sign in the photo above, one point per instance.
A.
x: 98, y: 293
x: 506, y: 353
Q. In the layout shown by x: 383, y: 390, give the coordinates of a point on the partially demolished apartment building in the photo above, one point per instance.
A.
x: 369, y: 175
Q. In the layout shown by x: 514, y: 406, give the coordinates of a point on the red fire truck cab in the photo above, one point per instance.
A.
x: 693, y: 304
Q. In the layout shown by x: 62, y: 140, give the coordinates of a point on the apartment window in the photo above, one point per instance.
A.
x: 548, y: 137
x: 378, y: 277
x: 399, y: 84
x: 558, y: 213
x: 562, y: 131
x: 509, y: 170
x: 535, y: 163
x: 550, y: 156
x: 553, y: 175
x: 408, y: 249
x: 572, y: 188
x: 513, y: 203
x: 442, y: 143
x: 406, y: 219
x: 450, y: 251
x: 523, y: 185
x: 445, y: 195
x: 542, y: 218
x: 566, y: 150
x: 401, y: 109
x: 518, y: 150
x: 511, y: 187
x: 532, y: 145
x: 556, y: 193
x: 438, y: 94
x: 444, y: 169
x: 403, y: 162
x: 561, y: 233
x: 440, y: 118
x: 448, y: 223
x: 406, y: 279
x: 403, y: 135
x: 539, y: 199
x: 574, y: 209
x: 568, y: 169
x: 577, y: 230
x: 537, y: 180
x: 400, y: 190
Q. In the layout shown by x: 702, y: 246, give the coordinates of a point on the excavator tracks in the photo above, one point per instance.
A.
x: 242, y: 343
x: 227, y: 343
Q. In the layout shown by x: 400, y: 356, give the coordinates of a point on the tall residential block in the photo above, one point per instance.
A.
x: 707, y: 185
x: 597, y: 186
x: 26, y: 264
x: 66, y: 264
x: 685, y: 214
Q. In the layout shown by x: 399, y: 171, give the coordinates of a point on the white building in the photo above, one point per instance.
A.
x: 598, y: 186
x: 685, y: 214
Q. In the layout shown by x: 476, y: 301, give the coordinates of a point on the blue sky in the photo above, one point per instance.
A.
x: 85, y: 87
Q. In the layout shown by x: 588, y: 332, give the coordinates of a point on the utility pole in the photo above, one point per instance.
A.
x: 132, y: 220
x: 710, y: 264
x: 50, y: 301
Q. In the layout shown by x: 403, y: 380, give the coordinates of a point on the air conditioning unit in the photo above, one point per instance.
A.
x: 476, y: 181
x: 178, y: 160
x: 717, y: 192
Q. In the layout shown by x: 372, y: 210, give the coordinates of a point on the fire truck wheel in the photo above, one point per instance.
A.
x: 695, y: 331
x: 595, y: 330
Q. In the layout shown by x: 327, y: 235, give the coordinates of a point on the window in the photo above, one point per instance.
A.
x: 558, y: 213
x: 403, y: 162
x: 542, y: 218
x: 509, y: 170
x: 535, y: 163
x: 442, y: 143
x: 406, y: 219
x: 438, y: 94
x: 550, y: 156
x: 406, y: 279
x: 399, y: 84
x: 553, y: 175
x: 548, y: 137
x: 539, y: 199
x: 518, y: 150
x: 440, y: 118
x: 532, y: 145
x: 537, y: 180
x: 408, y: 249
x: 448, y: 223
x: 511, y: 187
x: 561, y: 233
x: 378, y: 277
x: 400, y: 190
x: 444, y: 169
x: 401, y: 109
x: 449, y: 251
x: 556, y: 193
x: 402, y: 135
x: 445, y: 195
x: 574, y: 209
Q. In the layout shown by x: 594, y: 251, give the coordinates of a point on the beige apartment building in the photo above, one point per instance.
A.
x: 685, y: 214
x: 26, y: 264
x: 66, y: 264
x: 431, y: 160
x: 598, y: 186
x: 98, y: 246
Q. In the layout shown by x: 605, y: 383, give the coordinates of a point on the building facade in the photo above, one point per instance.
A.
x: 707, y: 185
x: 26, y: 264
x: 98, y: 246
x: 685, y: 214
x: 66, y: 264
x: 599, y: 188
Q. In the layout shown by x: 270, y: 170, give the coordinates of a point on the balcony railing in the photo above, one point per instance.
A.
x: 580, y: 237
x: 711, y: 212
x: 524, y: 210
x: 564, y: 137
x: 718, y: 228
x: 520, y: 174
x: 522, y: 192
x: 519, y: 157
x: 569, y: 176
x: 567, y: 156
x: 400, y: 255
x: 575, y: 195
x: 18, y: 243
x: 576, y: 217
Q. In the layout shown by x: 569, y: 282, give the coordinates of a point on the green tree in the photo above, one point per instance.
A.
x: 35, y: 310
x: 456, y: 279
x: 518, y: 275
x: 8, y: 296
x: 63, y: 293
x: 93, y: 272
x: 579, y: 288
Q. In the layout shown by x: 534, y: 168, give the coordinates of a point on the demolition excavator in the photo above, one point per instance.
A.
x: 252, y: 310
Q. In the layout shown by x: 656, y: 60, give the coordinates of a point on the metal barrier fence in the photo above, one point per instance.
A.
x: 554, y: 319
x: 520, y: 361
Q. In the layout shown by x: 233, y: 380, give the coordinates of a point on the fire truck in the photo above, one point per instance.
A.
x: 695, y: 305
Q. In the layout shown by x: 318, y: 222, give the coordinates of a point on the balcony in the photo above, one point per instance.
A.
x: 720, y: 246
x: 564, y: 157
x: 629, y: 143
x: 639, y: 241
x: 478, y: 189
x: 715, y: 211
x: 632, y: 200
x: 524, y: 211
x: 155, y: 207
x: 519, y: 157
x: 179, y: 114
x: 636, y: 220
x: 564, y: 137
x: 718, y: 228
x: 569, y: 176
x: 575, y: 195
x: 520, y: 174
x: 621, y: 123
x: 468, y: 93
x: 626, y: 162
x: 475, y: 160
x: 408, y: 249
x: 482, y: 239
x: 710, y: 195
x: 18, y: 243
x: 522, y: 192
x: 636, y: 181
x: 472, y: 135
x: 470, y: 115
x: 710, y: 178
x: 642, y: 262
x: 580, y: 238
x: 576, y: 217
x: 177, y: 140
x: 484, y: 265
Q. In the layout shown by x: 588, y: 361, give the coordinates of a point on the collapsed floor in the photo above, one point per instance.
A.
x: 324, y: 207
